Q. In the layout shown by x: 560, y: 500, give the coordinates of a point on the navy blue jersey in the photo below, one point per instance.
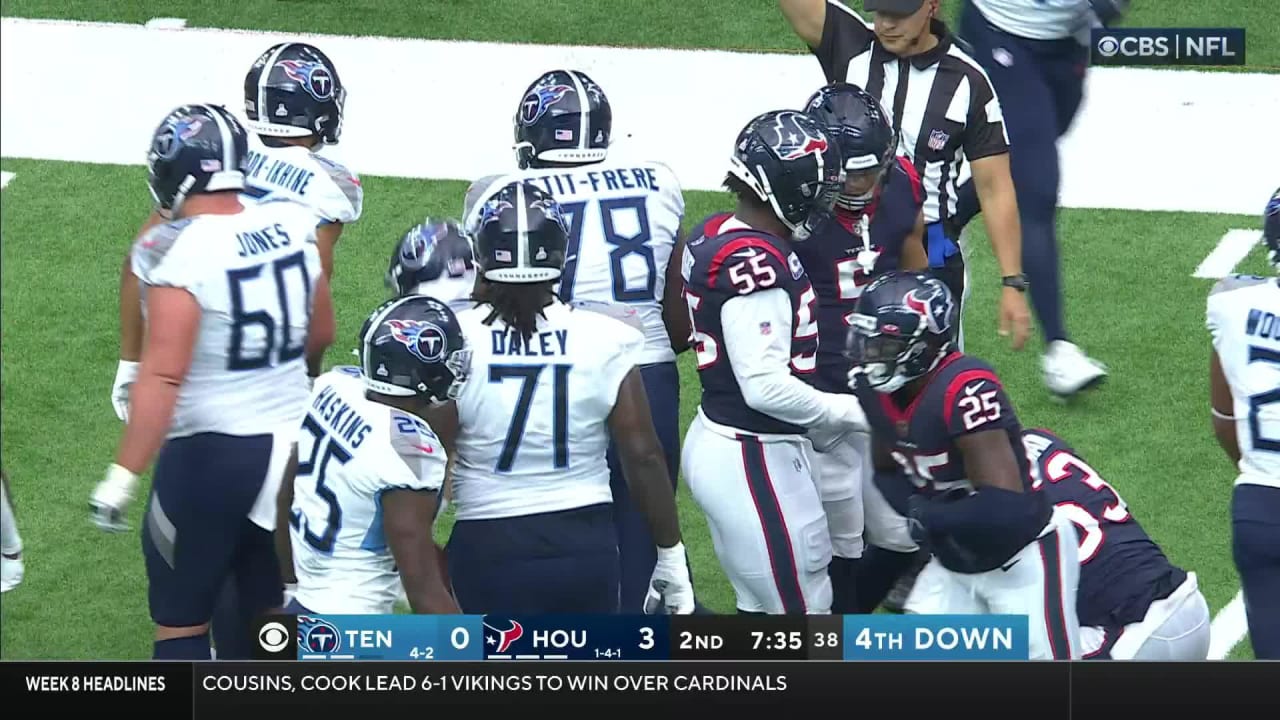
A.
x: 720, y: 266
x: 1122, y: 570
x: 830, y: 258
x: 961, y: 396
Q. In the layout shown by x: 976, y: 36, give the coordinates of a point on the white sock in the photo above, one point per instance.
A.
x: 10, y: 541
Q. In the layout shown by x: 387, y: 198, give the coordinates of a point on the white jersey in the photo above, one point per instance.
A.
x: 351, y: 450
x: 295, y: 173
x: 623, y: 221
x: 1244, y: 320
x: 533, y: 421
x: 254, y: 274
x: 1038, y: 19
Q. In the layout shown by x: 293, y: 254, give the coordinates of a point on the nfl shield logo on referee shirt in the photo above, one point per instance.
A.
x: 938, y: 140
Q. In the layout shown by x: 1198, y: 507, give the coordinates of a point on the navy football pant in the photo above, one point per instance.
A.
x: 1255, y: 523
x: 197, y: 536
x: 1040, y: 84
x: 637, y: 552
x: 557, y: 562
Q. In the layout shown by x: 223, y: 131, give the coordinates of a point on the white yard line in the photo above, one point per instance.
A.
x: 5, y: 177
x: 1233, y: 247
x: 442, y: 109
x: 166, y: 23
x: 1229, y: 628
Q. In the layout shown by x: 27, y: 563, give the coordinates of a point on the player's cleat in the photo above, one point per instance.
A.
x: 11, y: 570
x: 1067, y: 370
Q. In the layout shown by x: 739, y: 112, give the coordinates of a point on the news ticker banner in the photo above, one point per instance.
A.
x: 1168, y: 46
x: 997, y: 690
x: 436, y: 638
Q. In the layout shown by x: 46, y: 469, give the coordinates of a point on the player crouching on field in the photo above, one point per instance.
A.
x: 356, y: 507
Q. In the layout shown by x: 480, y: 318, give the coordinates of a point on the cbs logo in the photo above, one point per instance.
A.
x: 273, y: 637
x: 1108, y: 46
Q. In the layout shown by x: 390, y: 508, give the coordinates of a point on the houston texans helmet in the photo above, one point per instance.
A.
x: 1271, y: 229
x: 564, y: 118
x: 520, y: 234
x: 787, y: 159
x: 293, y: 90
x: 196, y: 149
x: 860, y: 126
x: 434, y: 258
x: 413, y: 346
x: 903, y: 325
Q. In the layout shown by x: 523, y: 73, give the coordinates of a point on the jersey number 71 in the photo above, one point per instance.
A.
x: 528, y: 376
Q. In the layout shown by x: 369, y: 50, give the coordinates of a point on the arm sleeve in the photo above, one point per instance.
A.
x: 844, y: 36
x: 419, y: 460
x: 760, y: 354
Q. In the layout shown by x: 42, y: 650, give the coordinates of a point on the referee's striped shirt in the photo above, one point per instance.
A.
x: 941, y: 102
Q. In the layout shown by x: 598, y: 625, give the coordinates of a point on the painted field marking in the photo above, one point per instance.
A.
x: 1233, y: 247
x: 5, y: 177
x: 1228, y: 628
x: 166, y: 23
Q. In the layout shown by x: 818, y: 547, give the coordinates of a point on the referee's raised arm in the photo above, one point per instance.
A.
x: 945, y: 113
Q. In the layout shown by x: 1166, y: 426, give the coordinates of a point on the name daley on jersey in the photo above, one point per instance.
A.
x: 551, y: 343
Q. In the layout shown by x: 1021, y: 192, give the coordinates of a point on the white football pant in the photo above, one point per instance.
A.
x: 839, y: 470
x: 766, y: 519
x: 1175, y: 628
x: 1040, y: 583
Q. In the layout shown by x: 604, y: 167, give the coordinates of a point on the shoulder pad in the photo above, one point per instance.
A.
x: 750, y: 262
x: 348, y: 370
x: 1235, y: 282
x: 348, y: 183
x: 617, y: 311
x: 150, y: 249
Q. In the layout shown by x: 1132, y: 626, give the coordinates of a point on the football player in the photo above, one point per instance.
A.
x: 293, y: 101
x: 878, y: 225
x: 755, y: 334
x: 550, y: 384
x: 235, y: 302
x: 11, y: 568
x: 1244, y: 384
x: 998, y: 547
x: 434, y: 258
x: 1133, y: 604
x: 624, y: 221
x: 361, y: 497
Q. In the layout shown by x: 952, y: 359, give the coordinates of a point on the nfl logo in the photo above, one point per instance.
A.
x: 766, y: 328
x: 938, y: 140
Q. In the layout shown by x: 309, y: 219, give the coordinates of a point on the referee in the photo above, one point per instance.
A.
x: 945, y: 113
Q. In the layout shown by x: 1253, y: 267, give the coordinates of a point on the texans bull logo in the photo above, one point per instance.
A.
x: 425, y: 340
x: 539, y: 100
x: 793, y: 140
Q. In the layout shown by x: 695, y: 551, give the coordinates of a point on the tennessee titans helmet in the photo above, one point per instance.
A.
x: 293, y: 90
x: 196, y: 149
x: 786, y: 158
x: 859, y: 125
x: 520, y: 234
x: 902, y: 326
x: 413, y: 346
x: 1271, y: 229
x: 564, y: 118
x: 430, y: 252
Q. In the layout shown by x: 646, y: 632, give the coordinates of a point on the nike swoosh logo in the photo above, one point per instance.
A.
x: 1006, y: 567
x: 425, y: 448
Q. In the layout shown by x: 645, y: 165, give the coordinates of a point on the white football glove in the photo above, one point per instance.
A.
x: 110, y: 500
x: 126, y: 373
x: 290, y: 589
x: 670, y: 589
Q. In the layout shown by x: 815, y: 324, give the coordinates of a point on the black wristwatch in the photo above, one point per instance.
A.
x: 1017, y: 282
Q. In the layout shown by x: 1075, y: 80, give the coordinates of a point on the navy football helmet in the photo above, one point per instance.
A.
x: 1271, y: 229
x: 786, y: 158
x: 902, y: 326
x: 430, y: 252
x: 413, y: 346
x: 520, y: 234
x: 860, y: 126
x: 196, y: 149
x: 293, y: 90
x: 564, y: 118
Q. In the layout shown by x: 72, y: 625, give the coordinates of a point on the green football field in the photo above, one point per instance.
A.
x: 1132, y: 302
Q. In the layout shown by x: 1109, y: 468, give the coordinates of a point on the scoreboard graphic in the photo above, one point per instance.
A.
x: 640, y: 638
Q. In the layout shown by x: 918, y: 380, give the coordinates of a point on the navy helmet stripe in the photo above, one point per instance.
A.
x: 584, y: 108
x: 264, y: 80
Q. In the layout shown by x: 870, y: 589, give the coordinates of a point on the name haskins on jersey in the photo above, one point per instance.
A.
x: 296, y: 173
x: 623, y: 218
x: 363, y: 448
